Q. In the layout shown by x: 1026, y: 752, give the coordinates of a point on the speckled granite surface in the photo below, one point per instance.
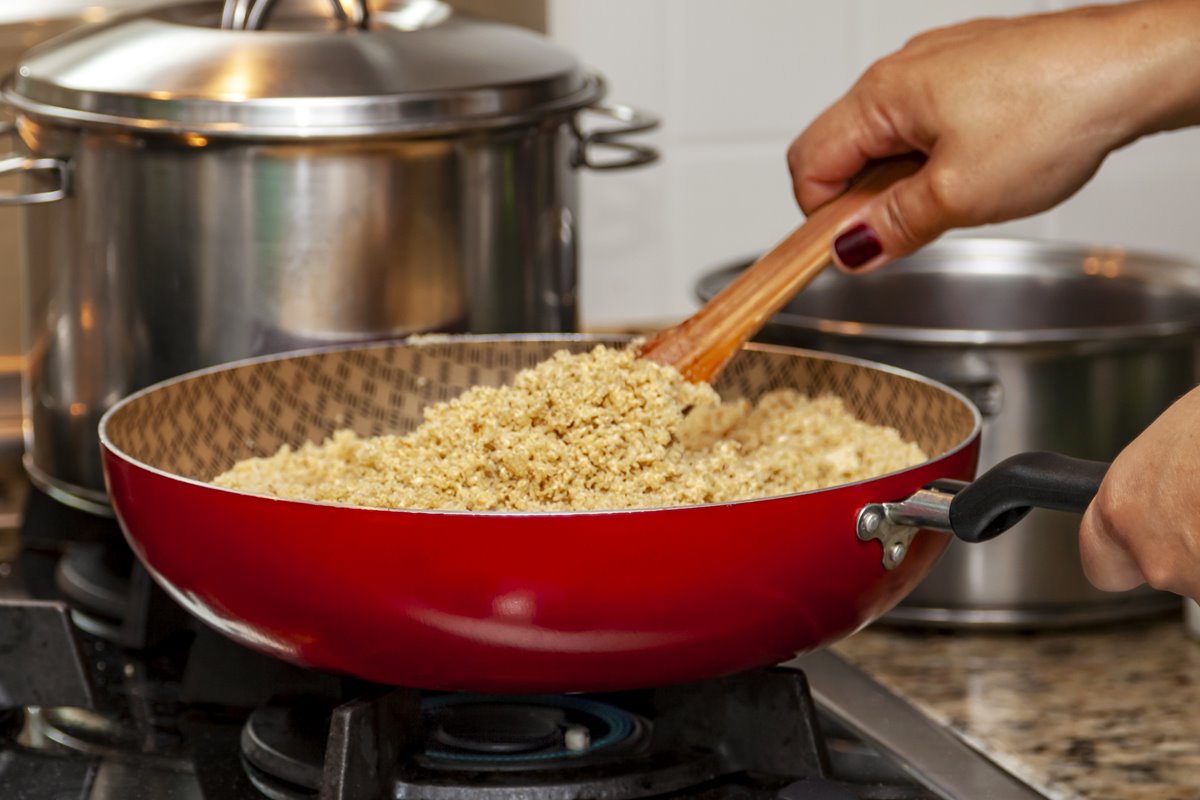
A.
x: 1106, y: 714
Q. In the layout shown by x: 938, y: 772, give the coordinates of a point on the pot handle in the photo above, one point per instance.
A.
x: 987, y: 507
x: 14, y: 164
x: 631, y: 121
x: 251, y: 15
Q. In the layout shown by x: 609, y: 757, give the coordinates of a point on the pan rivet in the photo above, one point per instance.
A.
x: 898, y: 549
x: 871, y: 521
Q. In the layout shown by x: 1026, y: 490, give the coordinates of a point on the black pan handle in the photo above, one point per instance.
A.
x: 1000, y: 497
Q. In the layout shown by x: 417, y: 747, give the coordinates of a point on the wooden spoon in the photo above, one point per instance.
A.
x: 701, y: 345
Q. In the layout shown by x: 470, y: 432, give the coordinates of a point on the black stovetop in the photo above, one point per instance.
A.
x: 108, y: 690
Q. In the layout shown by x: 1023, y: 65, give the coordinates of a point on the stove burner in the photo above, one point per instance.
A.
x: 105, y: 734
x: 522, y: 730
x: 284, y: 741
x: 753, y: 735
x: 112, y: 596
x: 163, y: 710
x: 542, y: 747
x: 95, y: 580
x: 135, y: 713
x: 496, y: 730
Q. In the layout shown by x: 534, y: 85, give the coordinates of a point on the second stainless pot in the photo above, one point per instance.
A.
x: 1062, y: 348
x: 251, y: 191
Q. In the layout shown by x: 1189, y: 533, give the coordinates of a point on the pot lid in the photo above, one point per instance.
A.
x: 47, y: 10
x: 300, y: 68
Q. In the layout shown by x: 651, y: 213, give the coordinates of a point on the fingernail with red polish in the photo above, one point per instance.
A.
x: 856, y: 246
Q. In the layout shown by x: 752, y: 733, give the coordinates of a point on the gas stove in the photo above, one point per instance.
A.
x: 109, y: 690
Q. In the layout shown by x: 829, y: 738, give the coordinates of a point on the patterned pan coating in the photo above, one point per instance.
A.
x: 199, y: 425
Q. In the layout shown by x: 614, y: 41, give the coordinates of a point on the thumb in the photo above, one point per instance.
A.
x: 903, y: 218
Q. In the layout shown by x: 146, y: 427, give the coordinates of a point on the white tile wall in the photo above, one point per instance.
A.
x: 885, y: 25
x: 752, y: 71
x: 734, y: 83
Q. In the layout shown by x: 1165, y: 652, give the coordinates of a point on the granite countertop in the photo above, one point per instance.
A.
x: 1111, y: 713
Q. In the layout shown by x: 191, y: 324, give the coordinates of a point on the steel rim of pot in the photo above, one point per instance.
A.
x: 1014, y: 249
x: 212, y: 118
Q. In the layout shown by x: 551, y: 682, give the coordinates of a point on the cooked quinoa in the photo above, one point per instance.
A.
x: 596, y: 430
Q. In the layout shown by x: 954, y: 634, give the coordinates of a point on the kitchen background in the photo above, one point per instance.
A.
x: 25, y: 23
x: 1082, y: 714
x: 734, y: 83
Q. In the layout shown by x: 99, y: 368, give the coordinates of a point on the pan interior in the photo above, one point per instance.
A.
x: 199, y: 426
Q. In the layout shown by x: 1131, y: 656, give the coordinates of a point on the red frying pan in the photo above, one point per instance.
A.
x: 538, y: 601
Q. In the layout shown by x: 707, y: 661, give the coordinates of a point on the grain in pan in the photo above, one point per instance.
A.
x: 591, y: 431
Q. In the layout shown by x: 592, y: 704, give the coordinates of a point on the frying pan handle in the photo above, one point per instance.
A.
x: 987, y: 507
x: 1000, y: 497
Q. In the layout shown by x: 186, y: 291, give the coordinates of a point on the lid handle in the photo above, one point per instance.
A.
x: 251, y: 15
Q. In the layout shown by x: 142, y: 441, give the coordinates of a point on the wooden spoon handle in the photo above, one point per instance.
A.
x: 701, y: 345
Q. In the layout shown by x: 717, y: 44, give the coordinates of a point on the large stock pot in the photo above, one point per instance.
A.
x: 1064, y: 348
x: 23, y: 25
x: 205, y: 182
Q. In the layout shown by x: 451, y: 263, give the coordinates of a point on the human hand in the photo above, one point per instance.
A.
x: 1143, y: 526
x: 1014, y: 116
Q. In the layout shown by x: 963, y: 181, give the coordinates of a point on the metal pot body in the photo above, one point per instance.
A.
x: 1066, y: 359
x: 1064, y: 399
x: 170, y: 253
x: 22, y: 26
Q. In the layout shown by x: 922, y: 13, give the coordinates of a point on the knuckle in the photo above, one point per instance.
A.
x: 948, y: 192
x: 1172, y: 568
x: 1090, y: 532
x: 1161, y: 573
x: 1110, y: 517
x: 898, y: 220
x: 936, y: 34
x: 1113, y: 516
x: 1105, y: 510
x: 1119, y: 550
x: 878, y: 79
x: 924, y: 38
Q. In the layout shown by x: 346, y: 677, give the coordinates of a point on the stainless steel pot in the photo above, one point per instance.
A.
x: 1062, y: 348
x: 199, y: 190
x: 22, y: 26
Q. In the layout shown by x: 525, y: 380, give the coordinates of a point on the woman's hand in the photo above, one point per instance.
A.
x: 1144, y: 525
x: 1014, y: 116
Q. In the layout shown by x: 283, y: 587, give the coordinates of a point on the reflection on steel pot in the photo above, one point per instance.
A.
x: 231, y: 191
x: 1062, y: 348
x: 23, y: 25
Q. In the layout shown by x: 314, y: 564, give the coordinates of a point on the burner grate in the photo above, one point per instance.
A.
x: 755, y: 732
x: 169, y: 710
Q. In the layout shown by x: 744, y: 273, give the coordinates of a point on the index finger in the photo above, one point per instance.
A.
x: 836, y: 147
